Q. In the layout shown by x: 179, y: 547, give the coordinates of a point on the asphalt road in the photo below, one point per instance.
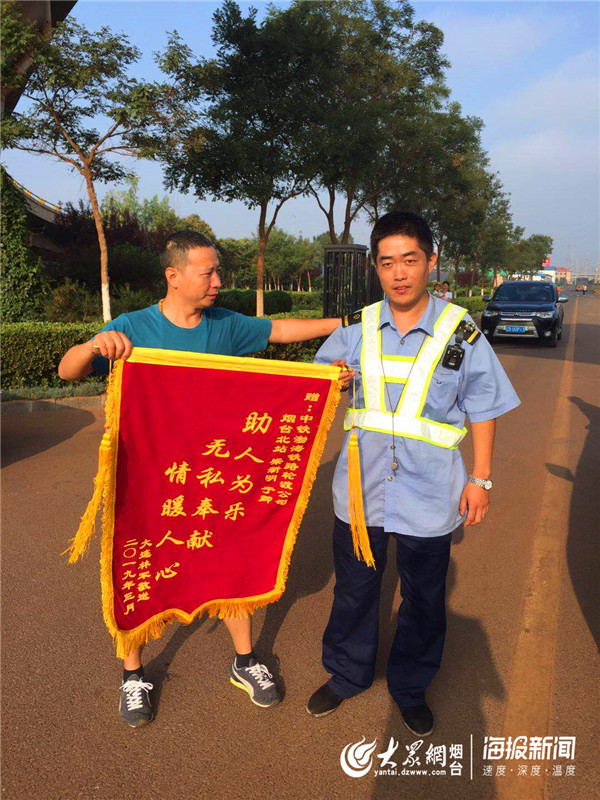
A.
x: 523, y: 624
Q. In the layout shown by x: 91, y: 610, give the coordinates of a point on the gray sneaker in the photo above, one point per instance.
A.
x: 257, y: 681
x: 134, y: 703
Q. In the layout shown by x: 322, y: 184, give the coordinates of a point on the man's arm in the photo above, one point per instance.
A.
x: 76, y: 363
x: 475, y: 497
x: 285, y: 331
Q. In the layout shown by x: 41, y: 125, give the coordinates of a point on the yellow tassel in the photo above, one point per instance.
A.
x: 81, y: 541
x: 358, y: 526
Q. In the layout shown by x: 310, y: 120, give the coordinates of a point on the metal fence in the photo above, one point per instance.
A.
x: 349, y: 281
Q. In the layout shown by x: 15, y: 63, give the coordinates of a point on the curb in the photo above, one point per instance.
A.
x: 53, y: 404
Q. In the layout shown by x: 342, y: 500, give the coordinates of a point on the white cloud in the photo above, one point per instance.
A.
x: 567, y: 98
x: 545, y: 155
x: 483, y: 40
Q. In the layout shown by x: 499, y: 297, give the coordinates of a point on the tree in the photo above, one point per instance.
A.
x: 254, y: 101
x: 79, y: 79
x: 237, y: 258
x: 444, y: 179
x: 530, y: 253
x: 23, y: 286
x: 388, y: 70
x: 494, y: 245
x: 155, y: 214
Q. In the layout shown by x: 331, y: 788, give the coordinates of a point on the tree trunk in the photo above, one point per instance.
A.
x: 260, y: 261
x: 104, y: 283
x: 348, y: 216
x: 309, y: 281
x: 330, y: 218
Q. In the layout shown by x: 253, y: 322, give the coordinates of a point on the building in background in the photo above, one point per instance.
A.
x: 563, y: 273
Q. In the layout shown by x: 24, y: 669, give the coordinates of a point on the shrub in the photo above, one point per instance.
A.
x: 31, y: 351
x: 312, y: 300
x: 244, y: 302
x: 294, y: 351
x: 72, y: 302
x: 277, y: 302
x: 474, y: 305
x: 23, y: 286
x: 230, y: 299
x: 128, y: 299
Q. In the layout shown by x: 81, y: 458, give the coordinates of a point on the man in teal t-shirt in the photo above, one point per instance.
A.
x: 187, y: 320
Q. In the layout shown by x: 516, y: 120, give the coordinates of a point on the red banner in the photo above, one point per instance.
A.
x: 211, y: 464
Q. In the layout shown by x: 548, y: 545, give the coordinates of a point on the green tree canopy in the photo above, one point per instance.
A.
x: 80, y: 107
x: 388, y: 69
x: 254, y: 102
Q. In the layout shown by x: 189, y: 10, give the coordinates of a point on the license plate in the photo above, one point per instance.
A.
x: 515, y: 328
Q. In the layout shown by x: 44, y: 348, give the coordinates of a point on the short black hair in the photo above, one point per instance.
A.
x: 446, y: 283
x: 175, y: 249
x: 402, y: 223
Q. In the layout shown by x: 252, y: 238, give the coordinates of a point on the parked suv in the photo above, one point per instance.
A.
x: 524, y: 310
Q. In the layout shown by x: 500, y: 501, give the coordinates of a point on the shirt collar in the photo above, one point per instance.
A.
x: 425, y: 322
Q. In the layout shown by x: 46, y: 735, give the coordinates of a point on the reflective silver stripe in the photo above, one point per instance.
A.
x: 417, y: 428
x: 415, y: 392
x: 371, y: 366
x: 397, y: 369
x: 407, y: 419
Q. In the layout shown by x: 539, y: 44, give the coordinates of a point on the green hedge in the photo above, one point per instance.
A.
x: 31, y: 351
x: 474, y: 305
x: 244, y: 302
x: 312, y: 300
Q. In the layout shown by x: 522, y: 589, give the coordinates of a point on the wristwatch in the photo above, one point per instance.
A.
x: 485, y: 484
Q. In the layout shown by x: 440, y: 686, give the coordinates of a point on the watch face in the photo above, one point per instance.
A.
x: 488, y: 484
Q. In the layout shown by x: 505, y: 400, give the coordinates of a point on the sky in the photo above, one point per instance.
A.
x: 530, y: 70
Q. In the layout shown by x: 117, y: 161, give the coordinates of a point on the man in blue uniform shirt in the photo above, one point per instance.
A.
x: 187, y: 320
x: 420, y: 365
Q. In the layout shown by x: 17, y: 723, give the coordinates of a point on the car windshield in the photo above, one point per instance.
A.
x: 518, y: 293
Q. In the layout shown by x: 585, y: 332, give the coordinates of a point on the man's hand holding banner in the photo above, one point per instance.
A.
x: 205, y: 470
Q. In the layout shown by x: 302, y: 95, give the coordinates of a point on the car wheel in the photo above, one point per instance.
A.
x: 489, y: 337
x: 551, y: 341
x: 559, y: 334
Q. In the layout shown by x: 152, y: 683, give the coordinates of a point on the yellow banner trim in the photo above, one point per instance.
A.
x: 182, y: 358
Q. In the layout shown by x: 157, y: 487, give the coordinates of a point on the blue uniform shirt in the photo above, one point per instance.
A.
x: 422, y: 499
x: 220, y: 331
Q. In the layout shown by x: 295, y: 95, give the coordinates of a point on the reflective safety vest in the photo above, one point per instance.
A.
x: 416, y: 373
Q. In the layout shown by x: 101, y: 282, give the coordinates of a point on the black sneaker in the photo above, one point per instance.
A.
x: 134, y: 703
x: 324, y: 701
x: 418, y: 719
x: 257, y: 681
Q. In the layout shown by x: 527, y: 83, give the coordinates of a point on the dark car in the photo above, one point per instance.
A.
x: 524, y: 310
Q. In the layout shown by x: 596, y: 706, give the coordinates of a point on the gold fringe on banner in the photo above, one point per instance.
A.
x: 80, y: 543
x: 356, y: 511
x: 105, y: 487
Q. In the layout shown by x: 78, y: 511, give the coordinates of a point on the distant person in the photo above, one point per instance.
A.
x: 446, y: 293
x: 437, y: 290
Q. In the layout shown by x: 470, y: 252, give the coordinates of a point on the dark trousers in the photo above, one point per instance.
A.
x: 350, y: 639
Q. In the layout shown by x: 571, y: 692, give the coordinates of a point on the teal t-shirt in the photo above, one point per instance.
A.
x: 220, y: 332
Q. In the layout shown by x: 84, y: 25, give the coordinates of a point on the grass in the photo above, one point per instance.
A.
x: 83, y: 389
